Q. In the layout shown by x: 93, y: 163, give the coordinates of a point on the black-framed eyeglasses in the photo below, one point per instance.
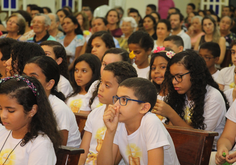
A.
x: 123, y: 100
x: 179, y: 77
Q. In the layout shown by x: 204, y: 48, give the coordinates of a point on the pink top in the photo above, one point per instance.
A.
x: 163, y: 7
x: 194, y: 39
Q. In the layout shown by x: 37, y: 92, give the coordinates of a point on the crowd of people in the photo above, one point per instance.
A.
x: 130, y: 75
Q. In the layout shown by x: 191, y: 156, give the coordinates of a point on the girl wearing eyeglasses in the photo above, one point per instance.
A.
x: 194, y: 99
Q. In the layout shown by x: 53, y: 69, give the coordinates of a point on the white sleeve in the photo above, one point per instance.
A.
x: 155, y: 134
x: 79, y: 41
x: 42, y: 152
x: 229, y: 95
x: 214, y: 111
x: 88, y: 125
x: 231, y: 114
x: 62, y: 117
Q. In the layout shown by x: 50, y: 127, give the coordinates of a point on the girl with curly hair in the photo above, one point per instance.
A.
x: 28, y: 129
x: 194, y: 99
x: 57, y: 52
x: 21, y: 52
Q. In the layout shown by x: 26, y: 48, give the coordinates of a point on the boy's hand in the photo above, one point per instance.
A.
x: 161, y: 108
x: 220, y: 159
x: 231, y: 158
x: 110, y: 118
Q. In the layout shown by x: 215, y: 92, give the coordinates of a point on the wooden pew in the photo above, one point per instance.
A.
x: 81, y: 119
x: 227, y: 60
x: 193, y: 146
x: 68, y: 155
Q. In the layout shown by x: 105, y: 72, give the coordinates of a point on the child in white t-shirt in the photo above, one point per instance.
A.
x: 86, y: 70
x: 210, y: 51
x: 112, y: 75
x: 141, y: 44
x: 46, y: 70
x: 56, y: 51
x: 140, y: 137
x: 231, y: 93
x: 29, y: 134
x: 110, y: 56
x: 194, y: 99
x: 158, y: 64
x: 227, y: 139
x: 226, y: 75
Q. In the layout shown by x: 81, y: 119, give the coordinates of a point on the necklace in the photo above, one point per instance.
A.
x: 11, y: 150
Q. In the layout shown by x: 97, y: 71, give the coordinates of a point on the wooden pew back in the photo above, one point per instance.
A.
x: 81, y: 120
x: 192, y: 146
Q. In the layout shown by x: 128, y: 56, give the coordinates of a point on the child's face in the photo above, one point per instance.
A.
x: 129, y: 112
x: 108, y: 87
x: 13, y: 116
x: 141, y: 59
x: 184, y: 84
x: 110, y: 58
x: 33, y: 70
x: 171, y: 45
x: 49, y: 51
x: 233, y: 54
x: 82, y: 74
x: 208, y: 57
x: 98, y: 47
x: 158, y: 69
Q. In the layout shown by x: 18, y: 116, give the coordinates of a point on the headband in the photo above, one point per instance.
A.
x: 18, y: 78
x: 169, y: 54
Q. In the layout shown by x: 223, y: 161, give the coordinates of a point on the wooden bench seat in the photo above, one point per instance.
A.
x: 193, y: 146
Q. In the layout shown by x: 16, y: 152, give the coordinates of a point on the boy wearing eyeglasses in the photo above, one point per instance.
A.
x: 210, y: 51
x: 140, y: 138
x: 95, y: 129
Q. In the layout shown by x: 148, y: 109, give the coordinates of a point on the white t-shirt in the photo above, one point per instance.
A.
x: 37, y: 151
x: 66, y: 120
x: 144, y: 72
x: 64, y: 86
x: 150, y: 135
x: 226, y: 77
x: 95, y: 125
x: 186, y: 39
x: 215, y: 75
x: 75, y: 102
x: 229, y: 95
x: 231, y: 115
x: 214, y: 112
x: 96, y: 103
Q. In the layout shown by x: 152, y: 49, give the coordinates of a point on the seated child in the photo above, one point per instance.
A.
x: 112, y: 75
x: 86, y: 70
x: 140, y: 137
x: 110, y: 56
x: 226, y: 142
x: 174, y: 42
x: 56, y: 51
x: 141, y: 44
x: 194, y: 99
x: 29, y: 134
x: 226, y: 75
x: 231, y: 93
x: 46, y: 70
x: 210, y: 51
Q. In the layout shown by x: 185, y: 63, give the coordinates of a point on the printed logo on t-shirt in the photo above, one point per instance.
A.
x: 75, y: 105
x: 99, y: 105
x: 232, y: 85
x: 187, y: 115
x: 134, y: 153
x: 4, y: 154
x: 92, y: 157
